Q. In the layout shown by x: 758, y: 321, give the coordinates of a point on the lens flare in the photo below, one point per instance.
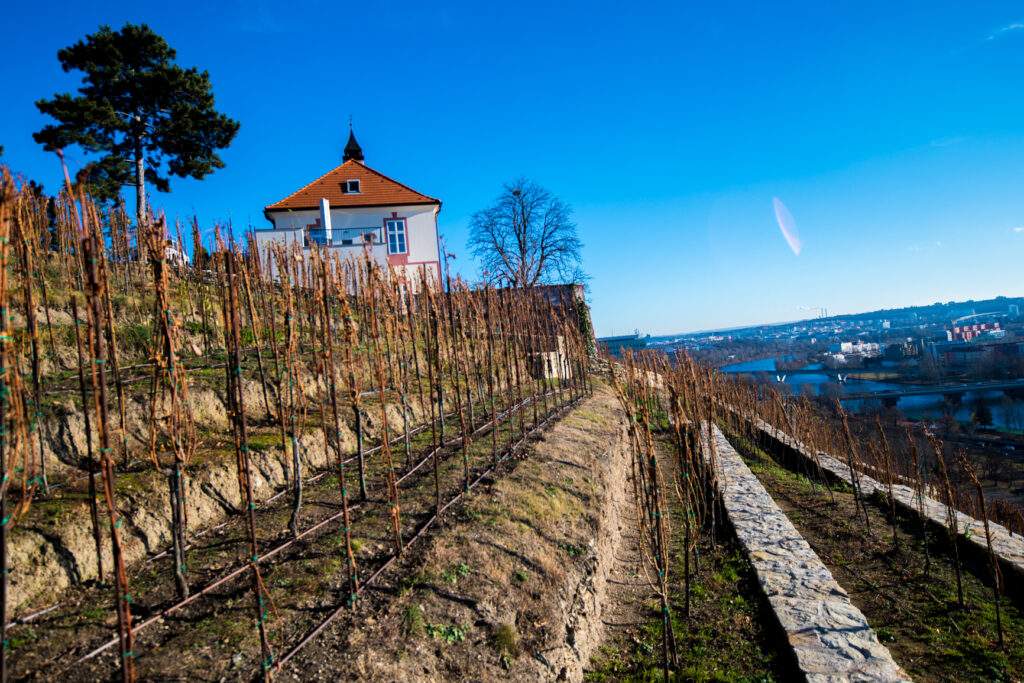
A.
x: 787, y: 225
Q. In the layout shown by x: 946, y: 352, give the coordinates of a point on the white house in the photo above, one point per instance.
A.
x: 353, y: 208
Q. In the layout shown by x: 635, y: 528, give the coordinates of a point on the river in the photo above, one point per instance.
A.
x: 1007, y: 415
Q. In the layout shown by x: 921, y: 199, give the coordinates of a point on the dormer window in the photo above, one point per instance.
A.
x: 351, y: 186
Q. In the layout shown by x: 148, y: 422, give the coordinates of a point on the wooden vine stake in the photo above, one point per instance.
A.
x: 261, y: 597
x: 997, y: 575
x: 122, y: 597
x: 329, y: 295
x: 6, y: 193
x: 168, y: 373
x: 385, y: 440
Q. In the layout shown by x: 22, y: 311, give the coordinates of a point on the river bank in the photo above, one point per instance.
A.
x: 814, y: 380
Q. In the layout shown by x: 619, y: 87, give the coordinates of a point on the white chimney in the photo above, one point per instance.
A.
x: 325, y: 219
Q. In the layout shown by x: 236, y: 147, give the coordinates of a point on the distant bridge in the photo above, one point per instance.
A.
x: 782, y: 375
x: 1014, y: 387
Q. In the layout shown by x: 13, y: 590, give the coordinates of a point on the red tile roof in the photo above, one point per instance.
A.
x: 376, y: 189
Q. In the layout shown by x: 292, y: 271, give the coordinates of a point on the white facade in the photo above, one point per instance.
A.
x: 354, y: 210
x: 354, y: 229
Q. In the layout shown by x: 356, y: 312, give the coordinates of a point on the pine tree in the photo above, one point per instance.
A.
x: 147, y: 117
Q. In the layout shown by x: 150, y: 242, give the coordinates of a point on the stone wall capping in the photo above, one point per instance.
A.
x: 830, y: 637
x: 1009, y: 548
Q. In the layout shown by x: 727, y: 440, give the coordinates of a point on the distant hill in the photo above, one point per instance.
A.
x: 947, y: 311
x: 950, y: 309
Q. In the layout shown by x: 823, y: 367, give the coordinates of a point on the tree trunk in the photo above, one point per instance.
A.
x: 140, y: 181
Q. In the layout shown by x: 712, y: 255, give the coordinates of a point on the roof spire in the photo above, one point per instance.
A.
x: 352, y: 148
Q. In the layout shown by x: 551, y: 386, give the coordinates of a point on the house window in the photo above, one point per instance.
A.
x: 396, y: 236
x: 352, y: 186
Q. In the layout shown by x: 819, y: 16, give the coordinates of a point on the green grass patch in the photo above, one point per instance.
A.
x: 413, y: 623
x: 456, y: 572
x: 448, y: 633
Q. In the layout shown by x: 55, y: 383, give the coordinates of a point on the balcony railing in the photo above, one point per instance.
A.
x: 345, y: 237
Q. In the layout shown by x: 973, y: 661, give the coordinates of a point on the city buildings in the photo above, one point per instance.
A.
x: 969, y: 332
x: 856, y: 348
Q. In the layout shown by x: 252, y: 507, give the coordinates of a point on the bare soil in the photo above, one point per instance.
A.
x: 214, y: 638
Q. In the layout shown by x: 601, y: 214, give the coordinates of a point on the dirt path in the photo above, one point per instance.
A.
x: 728, y: 635
x: 916, y: 617
x: 629, y: 595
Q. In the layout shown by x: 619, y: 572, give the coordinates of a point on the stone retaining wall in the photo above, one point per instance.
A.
x: 1009, y: 549
x: 830, y: 637
x: 52, y: 547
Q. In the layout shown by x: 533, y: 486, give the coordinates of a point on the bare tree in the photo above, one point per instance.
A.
x: 527, y: 237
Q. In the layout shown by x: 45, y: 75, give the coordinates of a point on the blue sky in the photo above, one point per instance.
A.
x: 893, y: 133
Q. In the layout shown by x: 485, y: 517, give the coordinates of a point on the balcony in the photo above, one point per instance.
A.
x: 344, y: 237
